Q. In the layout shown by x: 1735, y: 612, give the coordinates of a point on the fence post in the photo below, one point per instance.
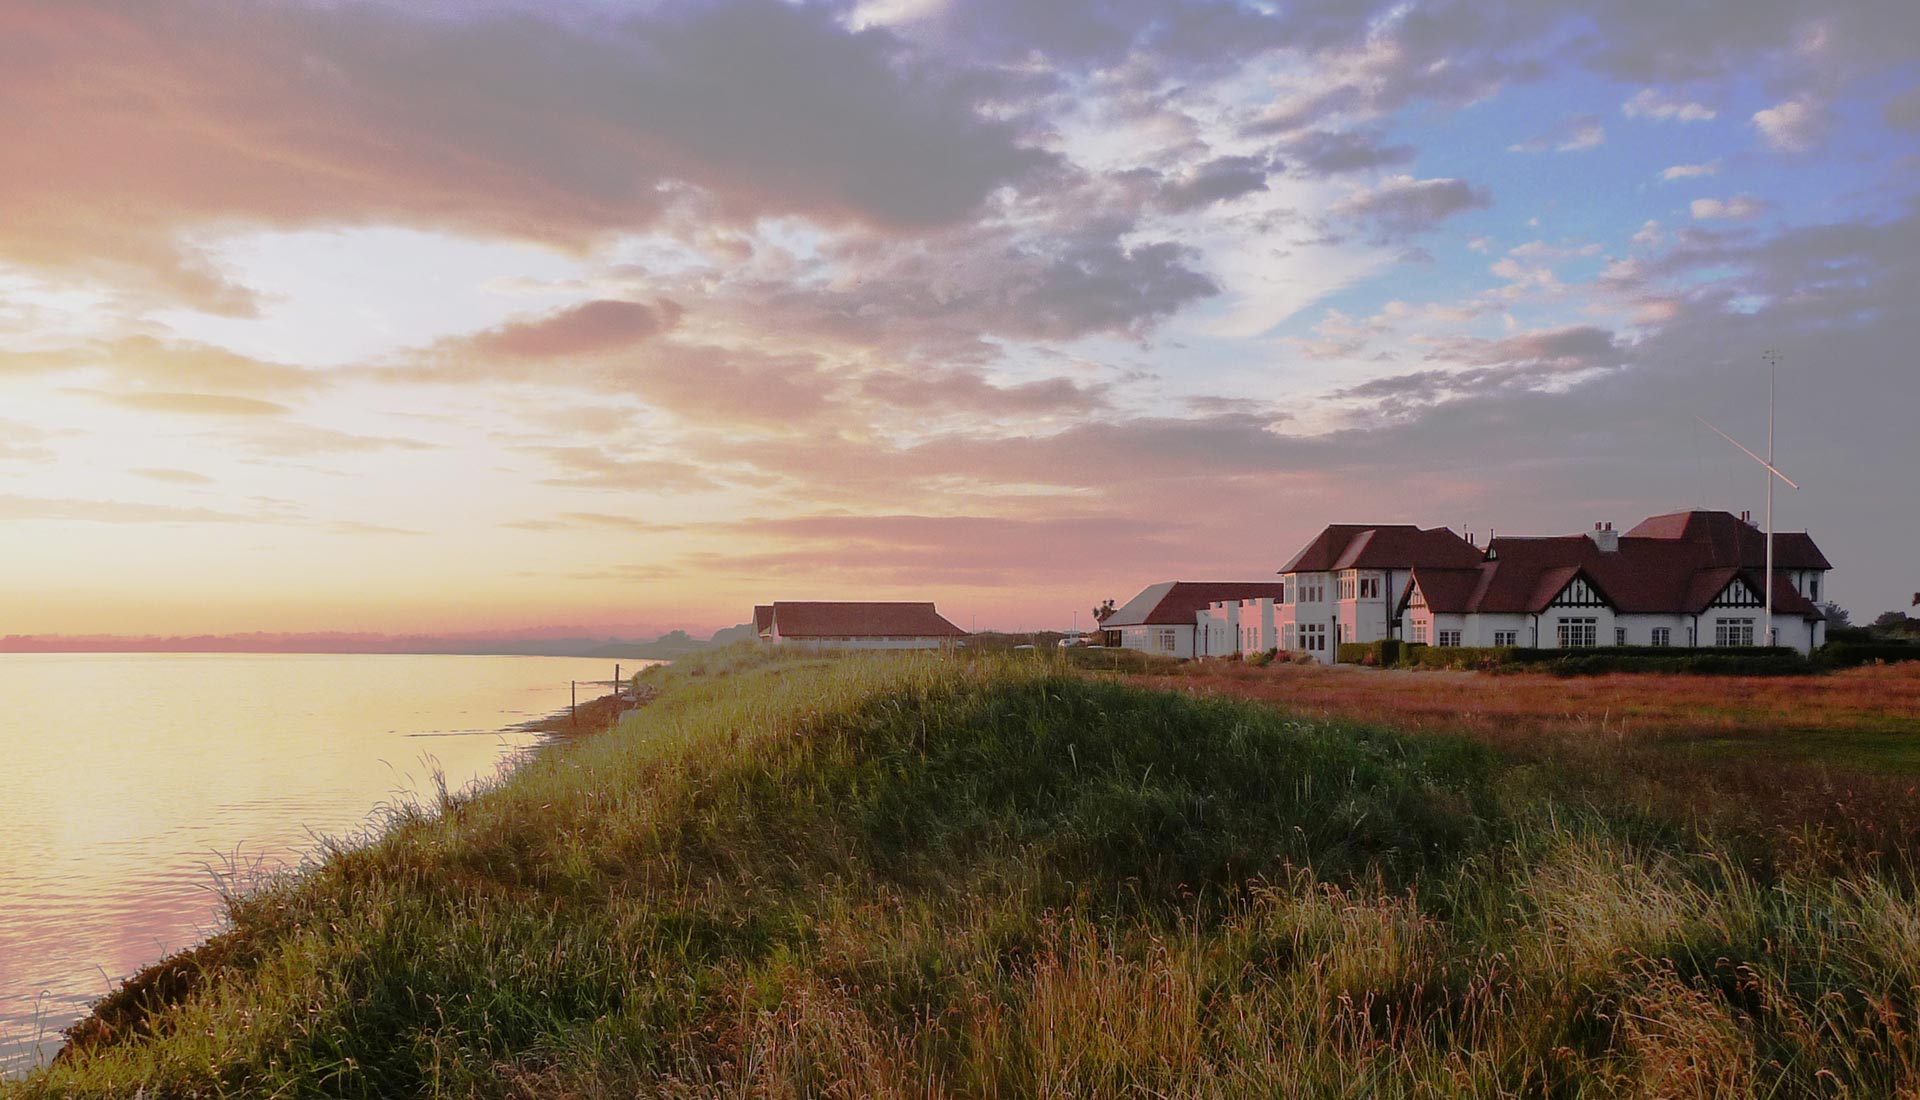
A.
x: 617, y: 693
x: 573, y: 704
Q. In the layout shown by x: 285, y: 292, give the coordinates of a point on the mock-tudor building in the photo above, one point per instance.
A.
x: 1684, y: 579
x: 1166, y: 618
x: 854, y: 625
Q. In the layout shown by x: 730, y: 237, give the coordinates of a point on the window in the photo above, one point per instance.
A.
x: 1449, y: 637
x: 1733, y: 632
x: 1313, y: 636
x: 1166, y: 641
x: 1619, y: 635
x: 1506, y: 637
x: 1287, y: 638
x: 1663, y: 636
x: 1370, y: 588
x: 1813, y: 588
x: 1579, y: 633
x: 1349, y: 581
x: 1420, y: 631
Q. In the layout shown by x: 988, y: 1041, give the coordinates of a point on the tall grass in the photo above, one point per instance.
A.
x: 922, y: 875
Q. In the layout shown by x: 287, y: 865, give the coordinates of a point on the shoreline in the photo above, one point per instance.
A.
x: 128, y: 1005
x: 594, y: 715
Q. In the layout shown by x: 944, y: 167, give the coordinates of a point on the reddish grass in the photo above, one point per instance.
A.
x: 1790, y: 768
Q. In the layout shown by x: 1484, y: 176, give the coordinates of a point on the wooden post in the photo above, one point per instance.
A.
x: 573, y: 706
x: 617, y: 690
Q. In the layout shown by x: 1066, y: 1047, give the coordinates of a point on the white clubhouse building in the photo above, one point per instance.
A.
x: 1684, y: 579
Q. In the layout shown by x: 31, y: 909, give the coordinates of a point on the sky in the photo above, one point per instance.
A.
x: 502, y: 316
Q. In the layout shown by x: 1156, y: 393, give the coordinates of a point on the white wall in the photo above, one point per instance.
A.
x: 1151, y: 639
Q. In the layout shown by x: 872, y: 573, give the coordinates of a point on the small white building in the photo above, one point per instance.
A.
x: 1684, y: 579
x: 854, y: 625
x: 1174, y: 618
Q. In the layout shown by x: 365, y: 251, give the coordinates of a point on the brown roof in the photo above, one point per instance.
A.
x: 1644, y: 576
x: 860, y: 620
x: 1171, y: 603
x: 1383, y: 546
x: 762, y: 618
x: 1733, y: 541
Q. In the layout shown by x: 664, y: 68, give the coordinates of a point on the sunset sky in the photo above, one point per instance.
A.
x: 442, y: 316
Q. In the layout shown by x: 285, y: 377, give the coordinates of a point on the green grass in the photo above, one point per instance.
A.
x: 944, y: 876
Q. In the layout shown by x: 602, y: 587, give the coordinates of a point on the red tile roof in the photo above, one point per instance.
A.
x: 1734, y: 541
x: 1658, y: 575
x: 1383, y: 546
x: 762, y: 618
x: 860, y: 620
x: 1174, y: 603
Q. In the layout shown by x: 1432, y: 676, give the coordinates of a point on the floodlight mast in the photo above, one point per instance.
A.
x: 1772, y: 359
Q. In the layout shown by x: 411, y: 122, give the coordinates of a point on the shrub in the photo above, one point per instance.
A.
x: 1384, y: 653
x: 1850, y: 654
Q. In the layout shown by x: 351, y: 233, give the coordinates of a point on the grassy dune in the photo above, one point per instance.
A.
x: 930, y: 876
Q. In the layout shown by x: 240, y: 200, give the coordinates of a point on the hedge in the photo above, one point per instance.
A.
x: 1743, y: 661
x: 1849, y: 654
x: 1712, y: 663
x: 1384, y: 653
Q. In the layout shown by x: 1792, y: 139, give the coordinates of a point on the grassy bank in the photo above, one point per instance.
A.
x: 928, y: 876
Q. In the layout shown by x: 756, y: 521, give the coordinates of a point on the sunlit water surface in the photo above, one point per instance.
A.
x: 133, y: 785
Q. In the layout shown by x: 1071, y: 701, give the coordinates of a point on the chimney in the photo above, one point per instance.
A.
x: 1605, y: 537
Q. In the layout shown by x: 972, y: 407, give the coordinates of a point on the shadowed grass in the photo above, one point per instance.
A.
x: 926, y: 875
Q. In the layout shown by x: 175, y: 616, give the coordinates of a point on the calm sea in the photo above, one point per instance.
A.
x: 133, y: 786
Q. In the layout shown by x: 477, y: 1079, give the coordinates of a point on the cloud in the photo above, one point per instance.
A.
x: 1690, y: 171
x: 195, y: 404
x: 967, y: 392
x: 586, y: 329
x: 1738, y: 208
x: 555, y: 127
x: 1217, y: 180
x: 293, y: 440
x: 1903, y: 111
x: 1572, y: 136
x: 169, y: 364
x: 1794, y: 126
x: 1541, y: 250
x: 173, y: 477
x: 1320, y: 153
x: 19, y: 509
x: 1661, y: 107
x: 1401, y: 206
x: 600, y: 468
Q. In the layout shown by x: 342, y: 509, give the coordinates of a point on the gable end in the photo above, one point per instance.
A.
x: 1579, y: 592
x: 1738, y: 593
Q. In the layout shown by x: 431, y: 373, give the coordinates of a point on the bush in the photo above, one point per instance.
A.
x: 1849, y: 654
x: 1261, y: 659
x: 1745, y: 661
x: 1455, y: 656
x: 1384, y: 653
x: 1692, y: 662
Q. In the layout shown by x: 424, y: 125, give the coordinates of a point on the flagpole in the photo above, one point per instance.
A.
x: 1773, y: 370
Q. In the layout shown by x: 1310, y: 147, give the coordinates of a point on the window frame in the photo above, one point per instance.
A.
x: 1577, y: 632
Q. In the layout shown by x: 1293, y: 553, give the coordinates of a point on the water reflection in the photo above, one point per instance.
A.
x: 132, y: 785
